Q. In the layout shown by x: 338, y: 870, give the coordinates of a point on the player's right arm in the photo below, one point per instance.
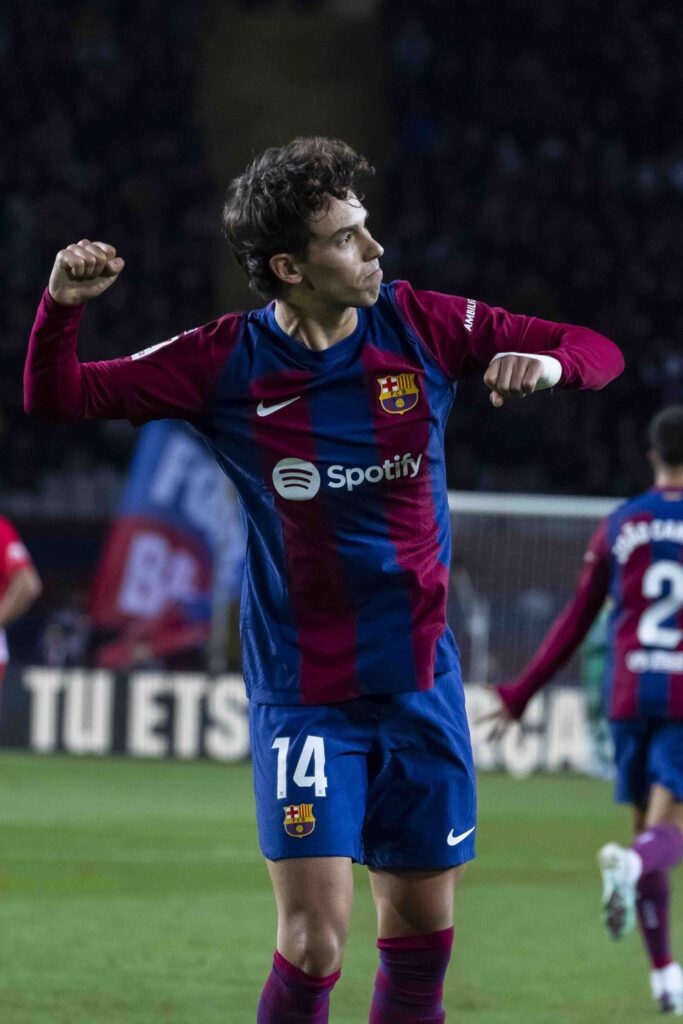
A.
x: 174, y: 379
x: 564, y: 636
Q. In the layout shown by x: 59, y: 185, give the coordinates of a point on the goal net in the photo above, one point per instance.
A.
x: 516, y: 560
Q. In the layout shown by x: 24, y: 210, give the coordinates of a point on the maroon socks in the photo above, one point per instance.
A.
x: 652, y: 905
x: 408, y: 986
x: 660, y: 848
x: 409, y: 982
x: 293, y: 997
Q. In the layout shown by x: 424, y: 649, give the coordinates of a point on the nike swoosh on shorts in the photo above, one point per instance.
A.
x: 268, y: 410
x: 454, y: 840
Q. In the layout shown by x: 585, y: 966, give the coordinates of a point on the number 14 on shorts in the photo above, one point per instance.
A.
x: 309, y: 769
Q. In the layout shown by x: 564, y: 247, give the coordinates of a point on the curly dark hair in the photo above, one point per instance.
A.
x: 269, y: 206
x: 665, y: 433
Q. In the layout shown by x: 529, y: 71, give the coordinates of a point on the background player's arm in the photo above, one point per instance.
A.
x: 463, y: 336
x: 563, y: 637
x: 23, y: 589
x: 23, y: 586
x: 170, y: 380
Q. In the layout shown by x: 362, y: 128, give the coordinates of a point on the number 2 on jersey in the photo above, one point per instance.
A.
x: 313, y: 753
x: 651, y: 631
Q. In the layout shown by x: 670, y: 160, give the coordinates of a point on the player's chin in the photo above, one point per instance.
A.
x: 368, y: 295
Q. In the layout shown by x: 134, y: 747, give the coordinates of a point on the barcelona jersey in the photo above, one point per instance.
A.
x: 644, y: 677
x: 338, y: 460
x: 635, y: 558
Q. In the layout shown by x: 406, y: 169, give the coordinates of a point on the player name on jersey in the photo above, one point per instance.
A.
x: 634, y: 535
x: 643, y: 541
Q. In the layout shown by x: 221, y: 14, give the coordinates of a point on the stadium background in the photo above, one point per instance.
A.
x: 527, y: 155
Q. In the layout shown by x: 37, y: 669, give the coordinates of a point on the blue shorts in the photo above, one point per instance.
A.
x: 646, y: 753
x: 386, y: 780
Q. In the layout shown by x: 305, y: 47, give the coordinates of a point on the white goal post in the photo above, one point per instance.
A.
x: 515, y: 562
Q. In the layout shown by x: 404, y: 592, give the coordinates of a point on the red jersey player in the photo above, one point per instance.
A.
x: 19, y: 583
x: 635, y: 559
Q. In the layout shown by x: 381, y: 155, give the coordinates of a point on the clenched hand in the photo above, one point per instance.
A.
x: 83, y: 271
x: 512, y: 376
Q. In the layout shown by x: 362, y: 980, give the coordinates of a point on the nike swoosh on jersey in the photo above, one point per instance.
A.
x: 268, y: 410
x: 454, y: 840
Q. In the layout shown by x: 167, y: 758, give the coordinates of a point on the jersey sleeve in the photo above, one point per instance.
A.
x: 569, y: 628
x: 13, y: 554
x: 174, y: 379
x: 463, y: 335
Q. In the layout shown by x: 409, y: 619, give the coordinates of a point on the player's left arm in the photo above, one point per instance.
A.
x: 24, y: 585
x: 566, y: 633
x: 518, y: 354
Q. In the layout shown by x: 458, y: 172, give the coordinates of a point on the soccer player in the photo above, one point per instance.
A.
x: 635, y: 559
x: 327, y: 407
x: 20, y: 584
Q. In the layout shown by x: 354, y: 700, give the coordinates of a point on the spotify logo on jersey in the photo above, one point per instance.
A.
x: 296, y: 480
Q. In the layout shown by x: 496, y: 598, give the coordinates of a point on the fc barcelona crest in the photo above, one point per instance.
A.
x: 299, y: 820
x: 399, y: 393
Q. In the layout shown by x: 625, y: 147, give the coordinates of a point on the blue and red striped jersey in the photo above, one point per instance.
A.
x: 635, y: 558
x: 338, y: 460
x: 645, y: 672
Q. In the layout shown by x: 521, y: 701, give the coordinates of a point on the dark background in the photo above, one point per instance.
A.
x: 528, y: 154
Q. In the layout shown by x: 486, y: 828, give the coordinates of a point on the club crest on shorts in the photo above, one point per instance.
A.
x: 299, y: 820
x: 399, y: 393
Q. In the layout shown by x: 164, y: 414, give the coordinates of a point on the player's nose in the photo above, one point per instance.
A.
x: 375, y: 250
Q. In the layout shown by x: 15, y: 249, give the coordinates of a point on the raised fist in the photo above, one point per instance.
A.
x: 83, y: 271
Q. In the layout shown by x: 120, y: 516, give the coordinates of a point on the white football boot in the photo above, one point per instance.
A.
x: 667, y: 989
x: 620, y: 869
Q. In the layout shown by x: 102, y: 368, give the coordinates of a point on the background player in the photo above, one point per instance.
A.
x: 20, y: 584
x: 327, y: 409
x: 635, y: 557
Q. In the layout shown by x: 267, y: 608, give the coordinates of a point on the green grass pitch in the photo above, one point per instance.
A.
x: 134, y: 893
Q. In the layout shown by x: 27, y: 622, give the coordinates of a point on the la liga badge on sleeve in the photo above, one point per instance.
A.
x: 299, y: 820
x: 398, y: 393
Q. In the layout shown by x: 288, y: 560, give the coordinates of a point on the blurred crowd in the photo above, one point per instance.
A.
x: 538, y: 165
x: 100, y: 141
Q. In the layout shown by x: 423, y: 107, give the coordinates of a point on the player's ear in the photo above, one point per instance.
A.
x: 652, y: 459
x: 285, y: 269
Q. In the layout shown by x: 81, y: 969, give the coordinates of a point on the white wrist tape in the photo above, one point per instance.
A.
x: 552, y: 368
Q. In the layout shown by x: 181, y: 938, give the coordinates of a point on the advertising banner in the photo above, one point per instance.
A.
x: 179, y: 715
x: 193, y: 715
